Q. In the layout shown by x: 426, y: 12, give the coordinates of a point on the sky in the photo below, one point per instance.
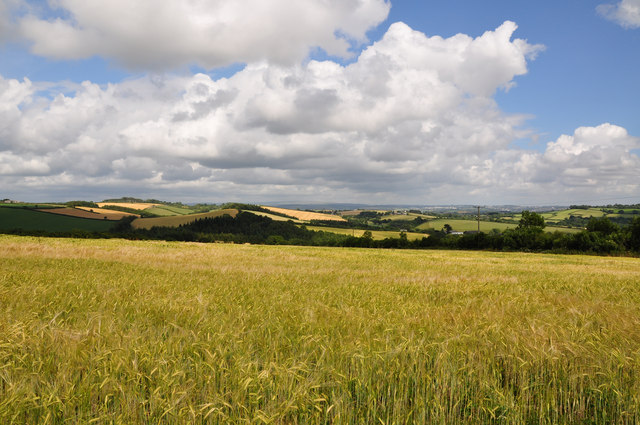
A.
x: 414, y: 102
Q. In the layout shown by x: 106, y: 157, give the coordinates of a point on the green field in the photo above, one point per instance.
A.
x: 376, y: 234
x: 178, y: 220
x: 29, y: 205
x: 25, y: 219
x: 167, y: 210
x: 556, y: 216
x: 123, y: 332
x: 465, y: 225
x: 403, y: 217
x: 485, y: 226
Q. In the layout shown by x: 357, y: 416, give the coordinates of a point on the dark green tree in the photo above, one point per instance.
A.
x: 633, y: 240
x: 531, y: 220
x: 602, y: 225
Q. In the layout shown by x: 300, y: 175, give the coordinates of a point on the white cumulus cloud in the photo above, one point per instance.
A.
x: 591, y: 164
x: 413, y: 119
x: 5, y: 22
x: 151, y: 34
x: 625, y: 13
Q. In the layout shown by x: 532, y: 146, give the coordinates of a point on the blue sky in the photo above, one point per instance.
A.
x: 588, y: 73
x: 419, y: 102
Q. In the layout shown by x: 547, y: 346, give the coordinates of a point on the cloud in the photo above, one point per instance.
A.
x: 411, y: 120
x: 5, y: 22
x: 147, y: 34
x: 592, y: 164
x: 626, y: 13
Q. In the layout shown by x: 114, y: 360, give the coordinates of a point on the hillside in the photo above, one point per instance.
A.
x: 178, y: 220
x: 305, y: 215
x: 46, y: 221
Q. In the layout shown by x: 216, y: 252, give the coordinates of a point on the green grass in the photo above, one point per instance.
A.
x: 111, y: 331
x: 561, y: 215
x: 167, y: 210
x: 25, y: 219
x: 402, y: 217
x: 30, y: 205
x: 485, y: 226
x: 465, y: 225
x: 178, y: 220
x: 376, y: 234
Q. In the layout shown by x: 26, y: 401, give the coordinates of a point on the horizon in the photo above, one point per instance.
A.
x: 326, y: 205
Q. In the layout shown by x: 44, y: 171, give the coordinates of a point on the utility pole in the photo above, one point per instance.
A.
x: 478, y: 234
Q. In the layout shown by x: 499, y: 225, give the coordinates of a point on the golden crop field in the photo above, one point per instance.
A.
x: 124, y: 332
x: 110, y: 214
x: 133, y: 206
x: 305, y: 215
x: 274, y: 217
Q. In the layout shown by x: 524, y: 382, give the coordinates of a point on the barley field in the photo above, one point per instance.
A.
x: 125, y: 332
x: 305, y: 215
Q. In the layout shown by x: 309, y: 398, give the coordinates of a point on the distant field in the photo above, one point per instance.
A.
x: 178, y: 220
x: 30, y: 220
x: 376, y: 234
x: 274, y: 217
x: 485, y: 226
x: 29, y: 205
x: 403, y: 217
x: 350, y: 213
x: 167, y: 210
x: 626, y: 215
x: 75, y: 212
x: 561, y: 215
x: 134, y: 206
x: 91, y: 213
x: 305, y: 215
x: 465, y: 225
x: 123, y: 332
x: 110, y: 214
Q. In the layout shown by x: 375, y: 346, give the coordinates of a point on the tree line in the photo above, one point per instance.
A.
x: 601, y: 236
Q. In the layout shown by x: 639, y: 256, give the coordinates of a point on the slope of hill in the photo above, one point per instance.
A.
x: 133, y: 206
x: 305, y: 215
x: 168, y: 210
x: 461, y: 225
x: 178, y: 220
x: 34, y: 220
x: 109, y: 214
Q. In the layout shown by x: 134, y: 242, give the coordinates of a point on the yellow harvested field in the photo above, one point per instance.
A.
x: 111, y: 214
x: 140, y: 206
x: 350, y: 213
x: 75, y: 212
x: 178, y: 220
x: 274, y: 217
x: 305, y: 215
